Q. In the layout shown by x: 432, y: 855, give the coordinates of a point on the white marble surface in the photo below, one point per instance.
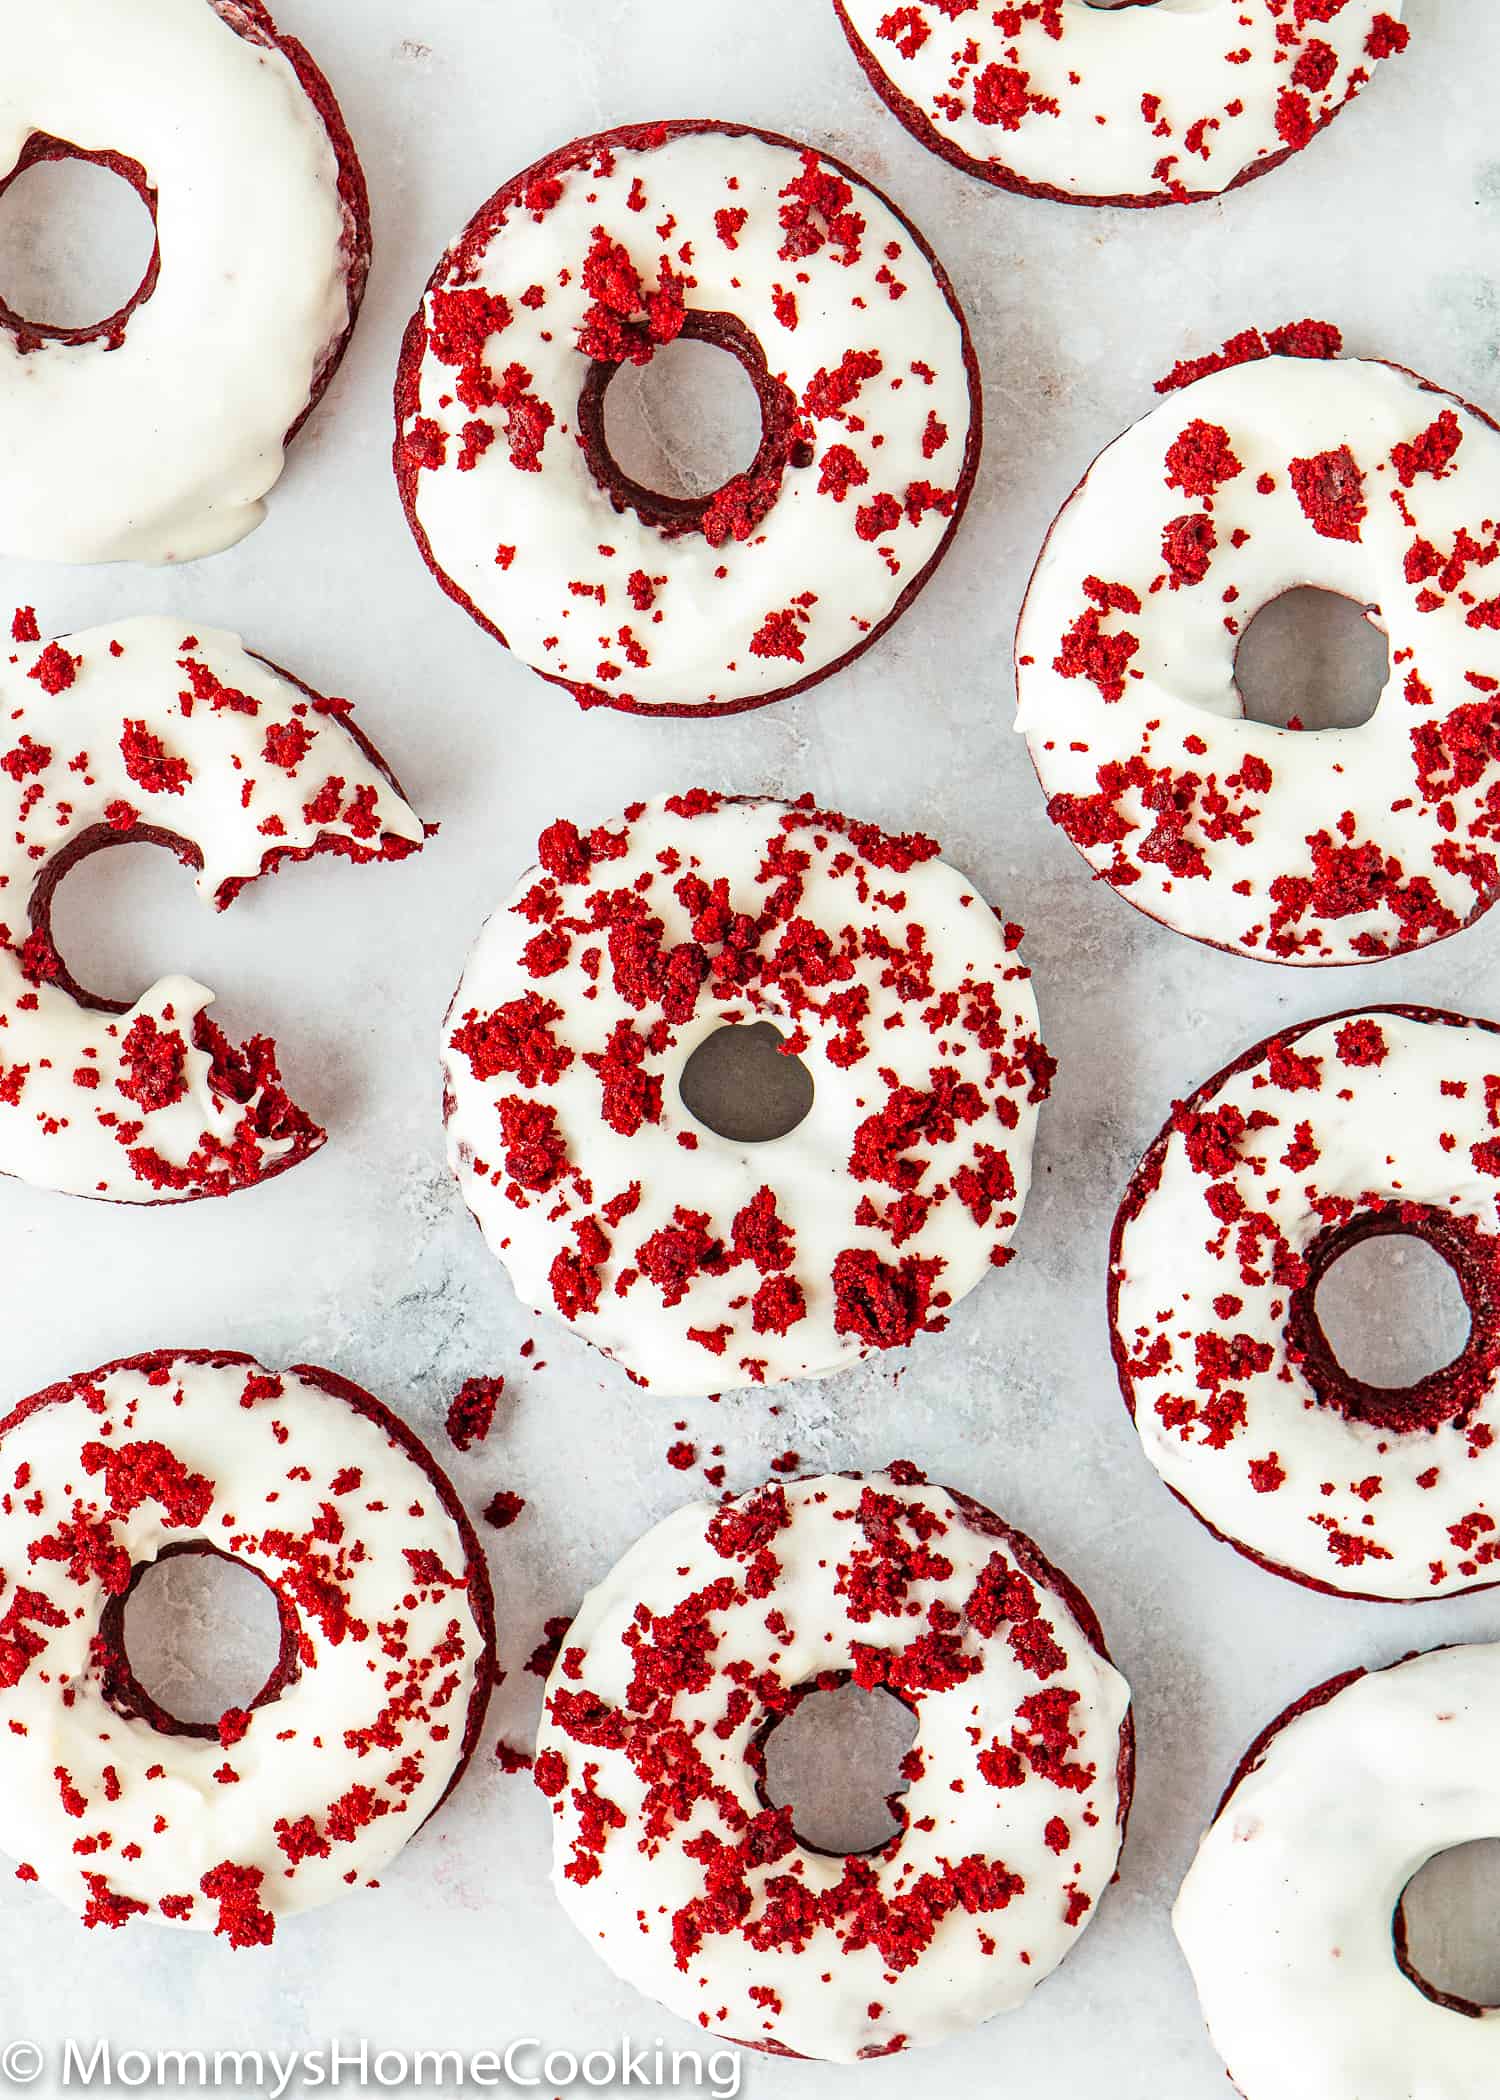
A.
x: 364, y: 1260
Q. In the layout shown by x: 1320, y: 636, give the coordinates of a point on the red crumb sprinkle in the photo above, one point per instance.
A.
x: 1298, y: 339
x: 1361, y: 1042
x: 234, y: 1724
x: 137, y: 1473
x: 1267, y: 1474
x: 543, y: 1657
x: 156, y: 1065
x: 147, y: 762
x: 471, y: 1412
x: 54, y: 670
x: 502, y: 1509
x: 882, y: 1305
x: 1331, y: 491
x: 107, y: 1907
x: 1387, y: 37
x: 242, y: 1920
x: 1201, y: 460
x: 1432, y: 453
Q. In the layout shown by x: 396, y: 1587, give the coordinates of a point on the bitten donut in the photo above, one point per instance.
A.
x: 598, y: 257
x: 1342, y: 1130
x: 377, y: 1696
x: 670, y: 1858
x: 155, y: 434
x: 1291, y: 1917
x: 700, y: 1262
x: 142, y: 733
x: 1266, y: 472
x: 1165, y: 103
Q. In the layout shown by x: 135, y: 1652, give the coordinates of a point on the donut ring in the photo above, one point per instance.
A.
x: 379, y: 1692
x: 140, y: 734
x: 667, y: 1853
x: 699, y: 1261
x: 1291, y: 1916
x: 1272, y: 465
x: 1165, y: 103
x: 155, y: 434
x: 1327, y: 1134
x: 871, y: 413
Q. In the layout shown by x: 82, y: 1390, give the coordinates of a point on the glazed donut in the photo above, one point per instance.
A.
x: 1164, y: 103
x: 1291, y: 1916
x: 595, y: 258
x: 387, y: 1648
x: 1264, y: 473
x: 139, y: 733
x: 1328, y: 1134
x: 155, y: 435
x: 670, y: 1858
x: 695, y: 1260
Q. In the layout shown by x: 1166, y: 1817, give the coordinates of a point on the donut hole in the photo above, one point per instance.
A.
x: 1312, y: 660
x: 77, y: 240
x: 199, y: 1634
x: 684, y: 424
x: 835, y: 1763
x: 120, y: 917
x: 1447, y: 1928
x: 743, y: 1084
x: 1393, y: 1311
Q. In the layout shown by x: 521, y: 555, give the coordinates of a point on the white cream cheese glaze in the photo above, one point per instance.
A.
x: 698, y: 1893
x: 601, y: 255
x: 386, y: 1658
x: 158, y: 440
x: 1286, y: 1916
x: 144, y: 732
x: 1136, y: 104
x: 1339, y: 846
x: 1386, y: 1120
x: 698, y: 1262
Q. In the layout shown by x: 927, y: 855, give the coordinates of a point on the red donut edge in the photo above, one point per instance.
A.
x: 1133, y: 1202
x: 476, y: 236
x: 354, y: 194
x: 480, y: 1589
x: 1000, y: 177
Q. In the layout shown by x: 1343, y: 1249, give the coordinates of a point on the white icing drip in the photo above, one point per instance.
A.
x: 698, y: 632
x: 678, y: 1162
x: 278, y: 1462
x: 161, y: 450
x: 1137, y: 104
x: 833, y: 2001
x: 64, y: 772
x: 1428, y: 1527
x: 1286, y: 1914
x: 1181, y: 714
